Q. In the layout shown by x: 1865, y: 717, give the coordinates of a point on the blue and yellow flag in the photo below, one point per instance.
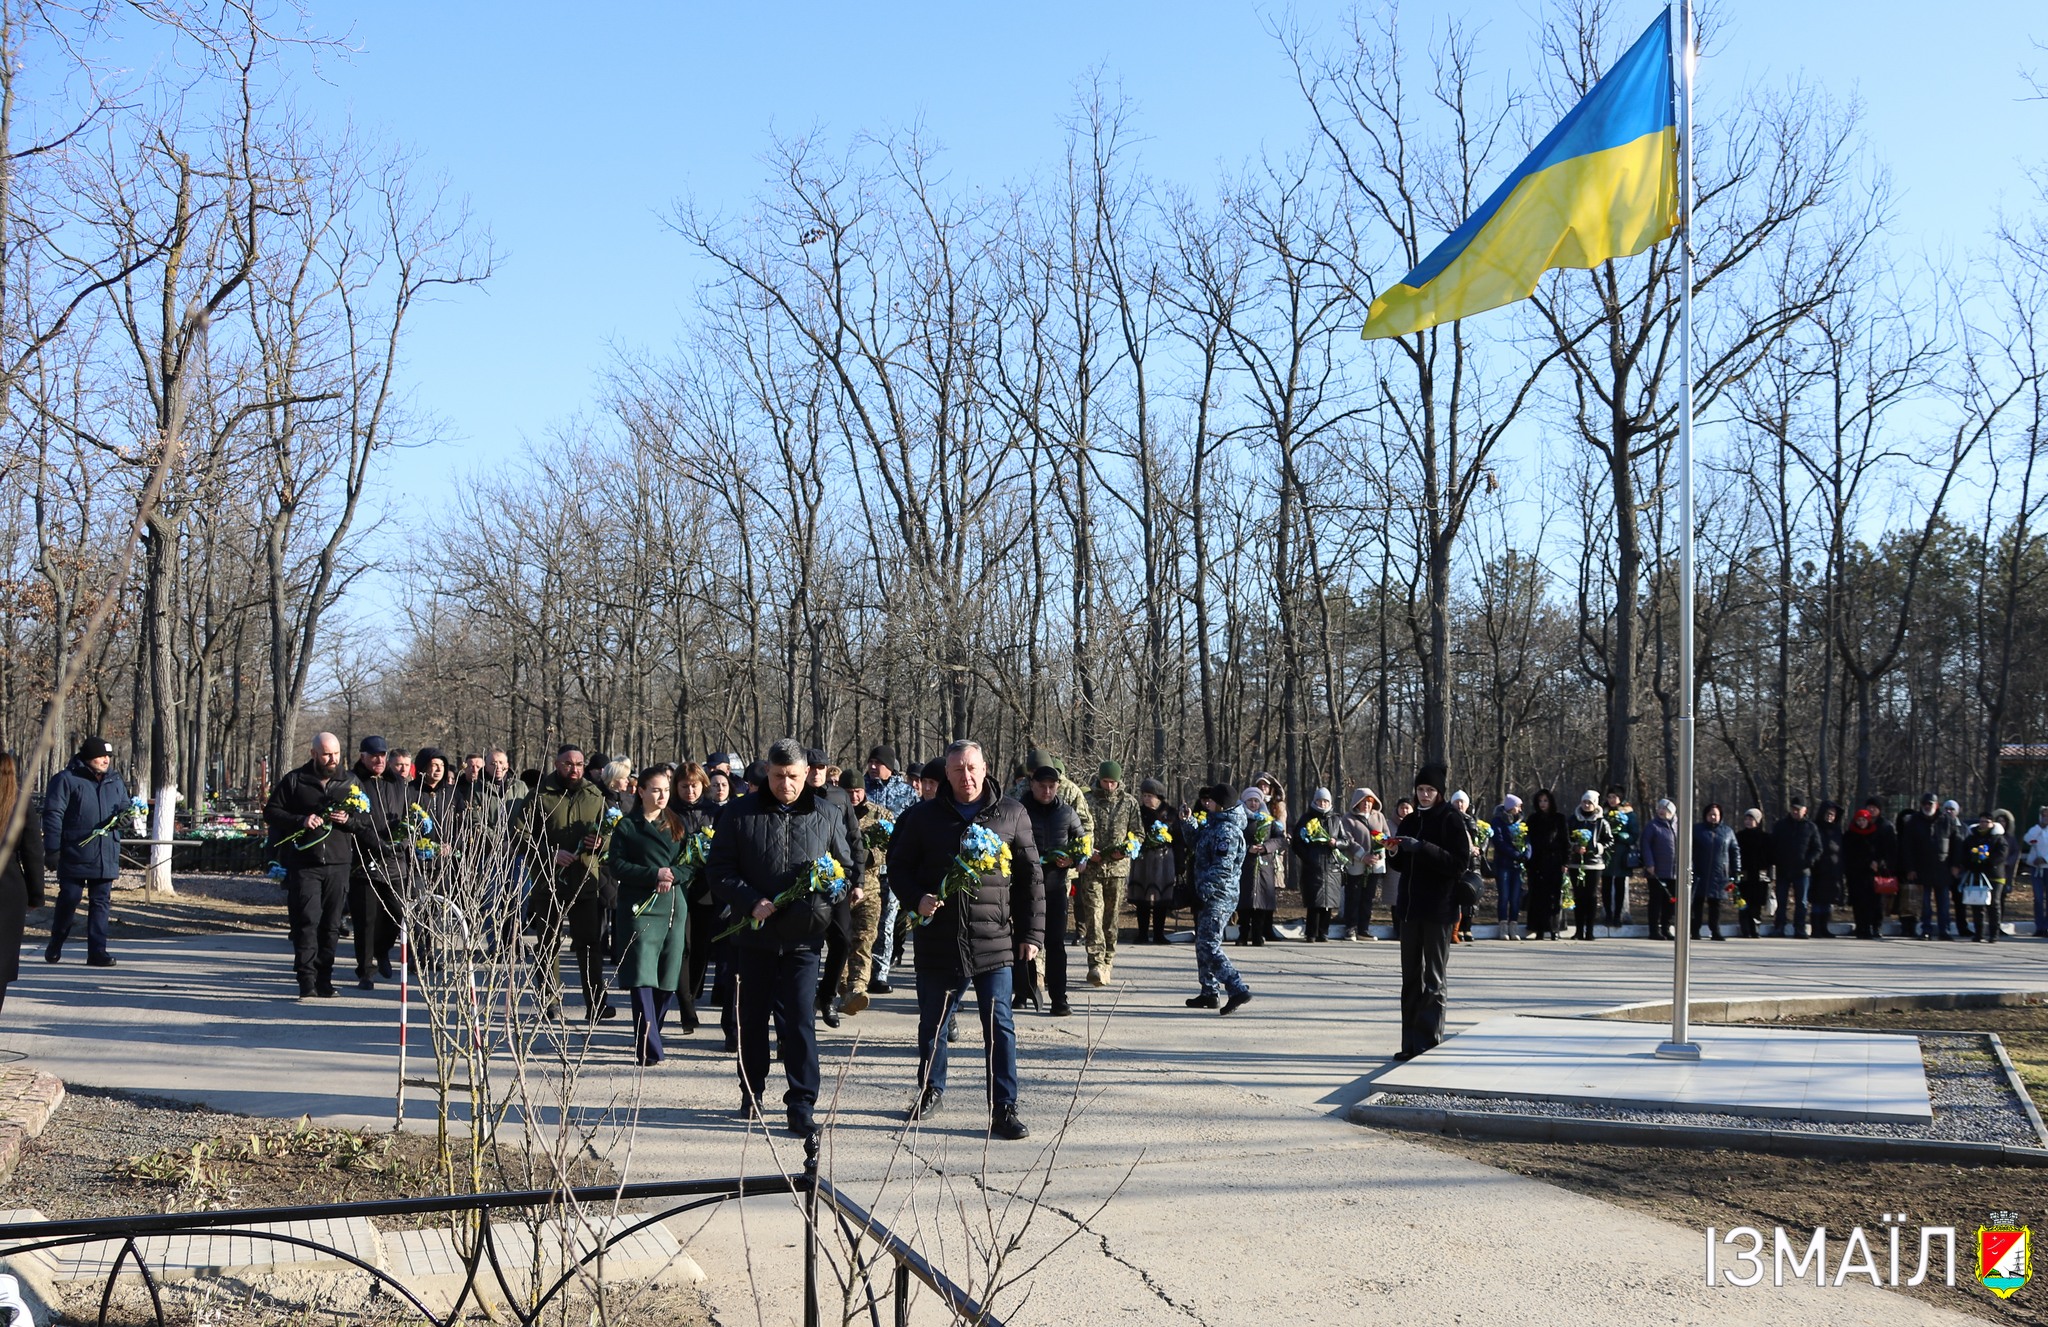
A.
x: 1603, y: 184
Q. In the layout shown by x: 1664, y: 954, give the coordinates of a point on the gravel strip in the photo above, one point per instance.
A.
x: 1973, y: 1103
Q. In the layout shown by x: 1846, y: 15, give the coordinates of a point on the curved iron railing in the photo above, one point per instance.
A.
x: 856, y: 1223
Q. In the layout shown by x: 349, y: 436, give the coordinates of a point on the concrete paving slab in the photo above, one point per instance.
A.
x: 1771, y: 1073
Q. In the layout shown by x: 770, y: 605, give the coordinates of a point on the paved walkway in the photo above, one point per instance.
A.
x: 1235, y: 1192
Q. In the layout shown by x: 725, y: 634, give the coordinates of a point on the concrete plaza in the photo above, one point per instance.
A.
x: 1236, y: 1192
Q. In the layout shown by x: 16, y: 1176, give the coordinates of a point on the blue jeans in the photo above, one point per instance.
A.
x: 937, y: 997
x: 1508, y: 875
x: 885, y: 934
x: 1792, y: 888
x: 1213, y: 967
x: 98, y: 896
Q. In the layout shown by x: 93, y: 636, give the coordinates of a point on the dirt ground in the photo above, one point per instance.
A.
x: 107, y: 1152
x: 1725, y: 1189
x: 203, y: 905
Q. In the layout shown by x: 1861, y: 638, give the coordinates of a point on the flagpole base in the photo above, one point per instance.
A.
x: 1679, y: 1050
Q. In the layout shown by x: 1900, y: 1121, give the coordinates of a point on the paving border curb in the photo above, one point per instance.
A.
x: 1780, y: 1142
x: 2019, y: 1087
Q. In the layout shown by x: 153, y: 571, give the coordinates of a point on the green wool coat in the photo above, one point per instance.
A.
x: 654, y: 951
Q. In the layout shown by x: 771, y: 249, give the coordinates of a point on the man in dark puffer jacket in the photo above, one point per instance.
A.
x: 973, y: 937
x: 765, y: 843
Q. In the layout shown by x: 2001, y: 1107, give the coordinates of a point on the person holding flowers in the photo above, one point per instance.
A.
x: 1258, y: 893
x: 967, y: 864
x: 875, y: 824
x: 564, y: 827
x: 772, y: 863
x: 313, y: 833
x: 1063, y: 844
x: 83, y: 806
x: 1716, y: 865
x: 374, y: 899
x: 1622, y: 858
x: 645, y: 857
x: 1319, y: 845
x: 1510, y: 844
x: 1099, y: 894
x: 1589, y: 835
x: 1155, y: 872
x: 1366, y: 864
x: 1981, y: 875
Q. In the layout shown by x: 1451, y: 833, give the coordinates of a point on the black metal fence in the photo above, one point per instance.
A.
x: 872, y: 1247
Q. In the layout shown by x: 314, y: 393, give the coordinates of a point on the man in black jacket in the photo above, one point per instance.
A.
x: 372, y: 884
x: 766, y: 845
x: 838, y: 936
x: 1055, y: 825
x: 1928, y: 839
x: 83, y: 808
x: 974, y: 935
x: 1432, y: 845
x: 1795, y: 843
x: 311, y: 838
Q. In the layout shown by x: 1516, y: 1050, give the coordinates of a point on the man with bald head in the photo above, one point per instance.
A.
x: 312, y: 838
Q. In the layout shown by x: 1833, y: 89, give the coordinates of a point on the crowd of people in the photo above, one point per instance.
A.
x: 791, y: 886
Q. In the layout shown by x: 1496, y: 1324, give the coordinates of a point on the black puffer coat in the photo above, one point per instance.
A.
x: 762, y: 848
x: 1436, y: 847
x: 1005, y: 912
x: 377, y: 836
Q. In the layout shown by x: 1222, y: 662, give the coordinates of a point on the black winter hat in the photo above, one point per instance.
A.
x: 92, y: 748
x: 1153, y: 786
x: 757, y: 773
x: 1433, y: 775
x: 935, y: 770
x: 885, y: 754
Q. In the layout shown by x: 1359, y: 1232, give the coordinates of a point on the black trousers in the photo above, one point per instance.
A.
x: 1586, y: 902
x: 1024, y: 976
x: 783, y: 985
x: 313, y: 899
x: 373, y: 901
x: 1866, y: 907
x: 1425, y: 982
x: 838, y: 941
x: 1663, y: 906
x: 1706, y: 903
x: 1614, y: 896
x: 583, y: 916
x: 1546, y: 899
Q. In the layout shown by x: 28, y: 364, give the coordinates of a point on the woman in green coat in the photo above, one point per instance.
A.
x: 646, y: 848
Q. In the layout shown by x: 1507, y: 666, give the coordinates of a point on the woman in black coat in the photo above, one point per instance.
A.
x: 21, y: 878
x: 1825, y: 889
x: 1547, y: 843
x: 1155, y: 874
x: 1869, y: 849
x: 1758, y: 852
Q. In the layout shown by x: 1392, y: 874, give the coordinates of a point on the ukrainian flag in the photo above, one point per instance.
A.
x: 1603, y: 185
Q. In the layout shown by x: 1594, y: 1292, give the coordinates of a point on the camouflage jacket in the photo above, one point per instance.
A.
x: 1115, y: 816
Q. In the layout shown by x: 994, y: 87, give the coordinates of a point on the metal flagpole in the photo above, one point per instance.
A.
x: 1681, y: 1046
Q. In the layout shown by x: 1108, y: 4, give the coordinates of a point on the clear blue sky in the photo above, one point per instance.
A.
x: 573, y: 128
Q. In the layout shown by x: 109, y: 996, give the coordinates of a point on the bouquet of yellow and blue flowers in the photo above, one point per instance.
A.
x: 1073, y: 850
x: 1314, y: 830
x: 1518, y: 835
x: 1200, y: 820
x: 136, y: 807
x: 1159, y: 835
x: 355, y: 801
x: 603, y: 824
x: 696, y: 851
x: 982, y: 852
x: 1134, y: 843
x: 1482, y: 831
x: 1260, y: 826
x: 878, y: 833
x: 823, y: 876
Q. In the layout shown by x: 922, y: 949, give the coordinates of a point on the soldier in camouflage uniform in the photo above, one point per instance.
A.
x: 1099, y: 893
x: 867, y: 913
